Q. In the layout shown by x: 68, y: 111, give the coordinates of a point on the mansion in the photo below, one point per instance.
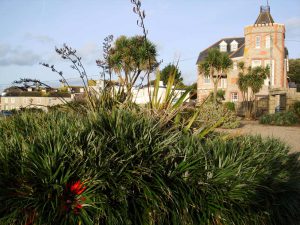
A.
x: 263, y: 45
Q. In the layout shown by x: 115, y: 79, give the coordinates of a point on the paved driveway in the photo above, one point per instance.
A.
x: 290, y: 135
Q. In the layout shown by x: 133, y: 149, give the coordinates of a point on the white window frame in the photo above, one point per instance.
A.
x: 234, y: 96
x: 223, y: 82
x: 255, y: 63
x: 5, y: 100
x: 12, y: 100
x: 268, y: 41
x: 223, y: 46
x: 206, y: 79
x: 234, y: 46
x: 257, y: 41
x: 235, y: 65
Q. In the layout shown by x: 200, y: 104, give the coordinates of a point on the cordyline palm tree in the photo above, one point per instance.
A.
x: 250, y: 82
x: 215, y: 65
x: 129, y: 57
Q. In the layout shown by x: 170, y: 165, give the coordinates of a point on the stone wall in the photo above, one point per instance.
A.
x: 292, y: 97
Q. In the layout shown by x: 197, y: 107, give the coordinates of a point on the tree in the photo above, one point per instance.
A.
x: 250, y: 82
x: 130, y: 56
x: 167, y: 71
x: 294, y: 70
x: 215, y: 65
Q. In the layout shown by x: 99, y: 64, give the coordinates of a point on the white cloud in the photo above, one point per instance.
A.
x: 90, y: 52
x: 44, y: 39
x: 17, y: 56
x: 4, y: 49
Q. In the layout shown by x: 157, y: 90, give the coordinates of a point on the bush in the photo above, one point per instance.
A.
x: 280, y: 119
x: 122, y: 167
x: 211, y: 114
x: 296, y: 108
x: 230, y: 106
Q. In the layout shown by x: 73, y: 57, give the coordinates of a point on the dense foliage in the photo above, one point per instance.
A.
x: 122, y: 167
x: 296, y: 108
x: 130, y: 56
x: 170, y: 70
x: 280, y: 119
x: 294, y: 70
x: 250, y: 82
x: 215, y: 65
x: 217, y: 115
x: 230, y: 106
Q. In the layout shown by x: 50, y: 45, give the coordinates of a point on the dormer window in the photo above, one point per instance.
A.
x: 223, y: 46
x: 233, y: 46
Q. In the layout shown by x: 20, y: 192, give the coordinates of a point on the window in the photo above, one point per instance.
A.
x: 256, y: 63
x: 223, y: 82
x: 234, y: 97
x: 233, y: 46
x: 271, y: 79
x: 223, y: 46
x: 207, y: 79
x: 257, y: 42
x: 12, y: 100
x: 235, y: 65
x: 6, y: 100
x: 268, y: 42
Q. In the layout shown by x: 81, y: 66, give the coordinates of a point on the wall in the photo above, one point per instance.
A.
x: 9, y: 103
x: 276, y: 52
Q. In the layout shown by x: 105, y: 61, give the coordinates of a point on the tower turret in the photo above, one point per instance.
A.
x: 264, y: 46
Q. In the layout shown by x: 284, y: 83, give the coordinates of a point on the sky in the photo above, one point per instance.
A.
x: 180, y: 29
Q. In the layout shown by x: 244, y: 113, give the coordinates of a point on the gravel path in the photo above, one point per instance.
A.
x: 290, y: 135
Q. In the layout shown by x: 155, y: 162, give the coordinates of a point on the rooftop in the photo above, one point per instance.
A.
x: 238, y: 53
x: 264, y: 16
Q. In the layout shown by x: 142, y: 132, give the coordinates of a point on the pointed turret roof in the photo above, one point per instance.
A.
x: 264, y: 16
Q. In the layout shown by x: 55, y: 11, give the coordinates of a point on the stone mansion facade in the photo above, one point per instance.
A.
x: 263, y: 45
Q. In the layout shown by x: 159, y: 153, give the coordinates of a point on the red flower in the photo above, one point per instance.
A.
x: 73, y: 202
x: 78, y: 206
x: 77, y: 188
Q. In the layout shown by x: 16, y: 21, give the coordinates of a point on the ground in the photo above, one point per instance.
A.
x: 290, y: 135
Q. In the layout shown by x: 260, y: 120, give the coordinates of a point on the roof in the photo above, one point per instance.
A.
x: 238, y: 53
x: 264, y: 16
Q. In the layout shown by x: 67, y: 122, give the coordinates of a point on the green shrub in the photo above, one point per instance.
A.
x: 296, y: 108
x: 230, y: 106
x: 280, y: 119
x: 122, y: 167
x: 210, y: 114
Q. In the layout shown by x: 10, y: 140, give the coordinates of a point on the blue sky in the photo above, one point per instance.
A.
x: 180, y: 29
